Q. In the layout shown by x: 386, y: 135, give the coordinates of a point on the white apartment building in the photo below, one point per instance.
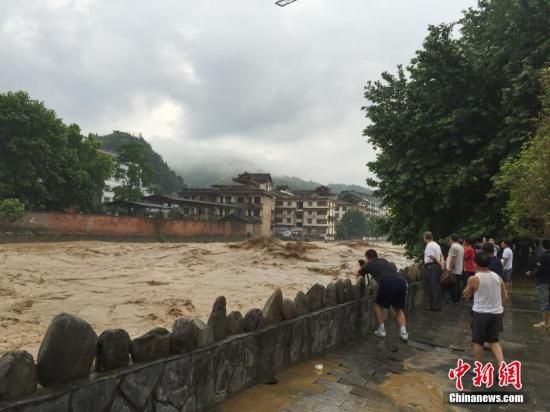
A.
x: 308, y: 213
x: 357, y: 201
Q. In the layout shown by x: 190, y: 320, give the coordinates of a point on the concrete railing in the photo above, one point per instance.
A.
x: 191, y: 368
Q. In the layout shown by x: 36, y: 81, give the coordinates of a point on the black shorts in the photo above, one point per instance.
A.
x: 485, y: 327
x: 392, y: 291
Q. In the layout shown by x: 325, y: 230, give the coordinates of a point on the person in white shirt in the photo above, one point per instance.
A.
x: 433, y: 261
x: 495, y: 245
x: 489, y: 293
x: 455, y: 262
x: 507, y: 262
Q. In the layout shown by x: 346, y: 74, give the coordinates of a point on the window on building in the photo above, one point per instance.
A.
x: 106, y: 199
x: 310, y: 203
x: 300, y: 205
x: 310, y: 221
x: 257, y: 200
x: 321, y: 221
x: 279, y: 203
x: 299, y: 215
x: 257, y: 212
x: 309, y: 212
x: 278, y: 220
x: 289, y: 221
x: 289, y: 203
x: 228, y: 199
x: 337, y: 215
x: 321, y: 203
x: 322, y: 212
x: 240, y: 199
x: 108, y: 188
x: 299, y: 224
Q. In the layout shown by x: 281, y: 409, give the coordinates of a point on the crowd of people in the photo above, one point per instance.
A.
x: 477, y: 271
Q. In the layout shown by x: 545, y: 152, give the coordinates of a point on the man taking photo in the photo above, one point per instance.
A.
x: 392, y: 291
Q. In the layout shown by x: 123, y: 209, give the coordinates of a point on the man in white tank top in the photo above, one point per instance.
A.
x: 489, y: 293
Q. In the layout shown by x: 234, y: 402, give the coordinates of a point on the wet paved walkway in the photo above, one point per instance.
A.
x: 368, y: 375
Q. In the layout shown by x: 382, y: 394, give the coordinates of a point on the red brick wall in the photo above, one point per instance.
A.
x: 104, y: 225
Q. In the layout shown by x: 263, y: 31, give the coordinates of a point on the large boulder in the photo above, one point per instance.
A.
x: 316, y: 297
x: 289, y: 309
x: 205, y: 335
x: 412, y: 274
x: 113, y: 350
x: 372, y: 285
x: 355, y: 291
x: 253, y: 320
x: 340, y: 297
x: 234, y: 323
x: 348, y: 293
x: 218, y: 318
x: 67, y: 350
x: 301, y: 302
x: 18, y: 375
x: 361, y: 285
x: 273, y: 309
x: 183, y: 337
x: 332, y: 297
x: 155, y: 344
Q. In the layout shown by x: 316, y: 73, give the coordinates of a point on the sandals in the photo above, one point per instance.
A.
x: 541, y: 325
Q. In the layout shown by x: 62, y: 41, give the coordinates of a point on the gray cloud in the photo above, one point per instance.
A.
x: 222, y: 83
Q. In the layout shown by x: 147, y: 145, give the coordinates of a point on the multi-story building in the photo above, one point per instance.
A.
x: 310, y: 214
x: 357, y: 201
x: 251, y: 202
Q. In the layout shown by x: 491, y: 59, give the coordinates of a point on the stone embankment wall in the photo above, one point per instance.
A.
x: 68, y: 224
x: 191, y: 368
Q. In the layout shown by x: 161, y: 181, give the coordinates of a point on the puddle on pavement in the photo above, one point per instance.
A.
x: 292, y: 383
x: 417, y: 388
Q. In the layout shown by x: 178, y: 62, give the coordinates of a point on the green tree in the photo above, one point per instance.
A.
x: 443, y: 125
x: 44, y: 163
x: 134, y: 170
x: 353, y: 225
x: 165, y: 179
x: 11, y: 209
x: 527, y: 178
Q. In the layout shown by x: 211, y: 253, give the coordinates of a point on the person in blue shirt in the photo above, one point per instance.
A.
x: 495, y: 265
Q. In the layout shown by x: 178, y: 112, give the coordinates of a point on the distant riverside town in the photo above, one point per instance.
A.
x: 303, y: 214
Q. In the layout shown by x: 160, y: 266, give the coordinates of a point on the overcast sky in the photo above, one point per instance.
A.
x: 224, y: 83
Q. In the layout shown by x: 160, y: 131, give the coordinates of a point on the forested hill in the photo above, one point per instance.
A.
x: 164, y: 178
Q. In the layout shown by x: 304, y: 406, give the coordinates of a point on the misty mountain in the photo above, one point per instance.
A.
x: 299, y: 184
x: 201, y: 177
x: 205, y: 175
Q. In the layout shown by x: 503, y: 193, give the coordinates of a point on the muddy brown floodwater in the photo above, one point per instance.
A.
x: 138, y: 286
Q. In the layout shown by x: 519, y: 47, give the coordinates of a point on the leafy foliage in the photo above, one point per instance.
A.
x: 444, y: 124
x: 44, y: 163
x: 353, y: 225
x: 133, y: 168
x: 11, y: 209
x: 527, y: 178
x: 164, y: 179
